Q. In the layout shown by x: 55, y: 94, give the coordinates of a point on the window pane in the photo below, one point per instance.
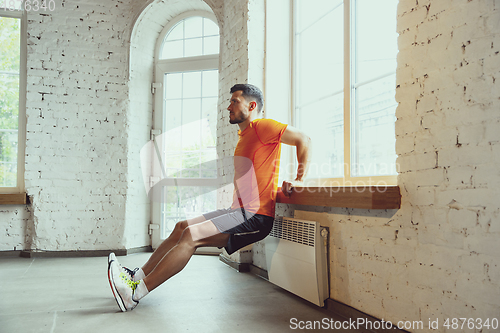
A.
x: 173, y: 120
x: 191, y: 136
x: 191, y: 112
x: 375, y: 38
x: 326, y: 126
x: 173, y: 86
x: 9, y: 44
x: 193, y: 27
x: 210, y: 86
x: 311, y: 12
x: 191, y: 37
x: 211, y: 45
x: 9, y: 99
x: 181, y: 203
x: 191, y: 85
x: 174, y: 49
x: 319, y: 82
x: 320, y: 64
x: 177, y: 32
x: 210, y: 28
x: 373, y: 105
x: 208, y: 129
x: 193, y: 47
x: 373, y: 139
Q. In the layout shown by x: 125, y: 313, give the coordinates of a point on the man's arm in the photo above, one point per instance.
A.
x: 294, y: 137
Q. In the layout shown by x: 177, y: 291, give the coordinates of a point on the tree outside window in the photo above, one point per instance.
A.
x: 10, y: 33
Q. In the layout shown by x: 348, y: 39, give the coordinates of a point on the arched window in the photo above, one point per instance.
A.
x: 185, y: 112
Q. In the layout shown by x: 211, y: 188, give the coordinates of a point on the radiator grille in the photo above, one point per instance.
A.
x: 301, y: 232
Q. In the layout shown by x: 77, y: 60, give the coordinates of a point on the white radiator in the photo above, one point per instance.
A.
x: 296, y: 255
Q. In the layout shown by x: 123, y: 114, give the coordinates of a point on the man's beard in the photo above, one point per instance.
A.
x: 238, y: 120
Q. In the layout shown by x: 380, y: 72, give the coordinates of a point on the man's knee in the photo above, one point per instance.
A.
x: 180, y: 226
x: 186, y: 237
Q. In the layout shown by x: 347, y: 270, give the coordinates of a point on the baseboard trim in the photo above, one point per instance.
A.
x: 10, y: 254
x: 74, y: 254
x: 240, y: 267
x: 140, y: 249
x: 347, y: 311
x: 259, y: 272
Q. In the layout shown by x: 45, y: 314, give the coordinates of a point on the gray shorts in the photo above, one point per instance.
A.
x: 243, y: 228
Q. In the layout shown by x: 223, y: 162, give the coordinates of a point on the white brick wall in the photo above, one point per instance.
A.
x: 86, y: 123
x: 76, y: 149
x: 233, y: 69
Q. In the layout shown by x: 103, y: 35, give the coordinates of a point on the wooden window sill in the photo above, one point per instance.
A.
x: 13, y: 199
x: 367, y: 197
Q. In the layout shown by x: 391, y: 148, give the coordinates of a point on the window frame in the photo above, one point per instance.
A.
x: 176, y: 65
x: 172, y: 23
x: 21, y: 129
x: 348, y: 114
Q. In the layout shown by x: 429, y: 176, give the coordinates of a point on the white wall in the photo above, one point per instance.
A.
x: 88, y: 115
x: 77, y: 100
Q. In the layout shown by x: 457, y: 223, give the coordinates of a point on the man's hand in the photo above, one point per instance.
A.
x: 287, y: 187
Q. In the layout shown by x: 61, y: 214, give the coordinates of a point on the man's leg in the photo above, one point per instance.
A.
x: 193, y: 236
x: 169, y: 243
x: 128, y: 293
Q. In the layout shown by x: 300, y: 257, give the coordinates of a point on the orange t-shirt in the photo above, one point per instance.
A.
x: 256, y: 161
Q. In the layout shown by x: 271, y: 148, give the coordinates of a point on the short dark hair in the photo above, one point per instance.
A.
x: 250, y: 92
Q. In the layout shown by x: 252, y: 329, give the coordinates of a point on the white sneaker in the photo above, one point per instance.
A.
x: 112, y: 257
x: 122, y: 287
x: 129, y: 272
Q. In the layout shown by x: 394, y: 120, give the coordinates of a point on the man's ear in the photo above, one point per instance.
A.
x: 253, y: 105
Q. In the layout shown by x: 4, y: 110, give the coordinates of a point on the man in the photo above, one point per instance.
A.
x: 250, y: 217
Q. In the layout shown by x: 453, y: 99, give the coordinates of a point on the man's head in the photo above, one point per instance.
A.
x: 251, y: 93
x: 246, y: 103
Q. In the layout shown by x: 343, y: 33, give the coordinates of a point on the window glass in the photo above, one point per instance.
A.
x: 318, y: 83
x: 374, y: 80
x: 193, y: 36
x: 9, y: 99
x: 324, y: 99
x: 189, y: 139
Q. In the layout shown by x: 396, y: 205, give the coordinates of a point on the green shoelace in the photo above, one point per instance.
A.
x: 132, y: 284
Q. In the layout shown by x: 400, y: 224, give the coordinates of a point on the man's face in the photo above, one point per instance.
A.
x: 239, y: 109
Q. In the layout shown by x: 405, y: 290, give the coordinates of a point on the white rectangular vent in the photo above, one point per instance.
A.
x: 301, y: 232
